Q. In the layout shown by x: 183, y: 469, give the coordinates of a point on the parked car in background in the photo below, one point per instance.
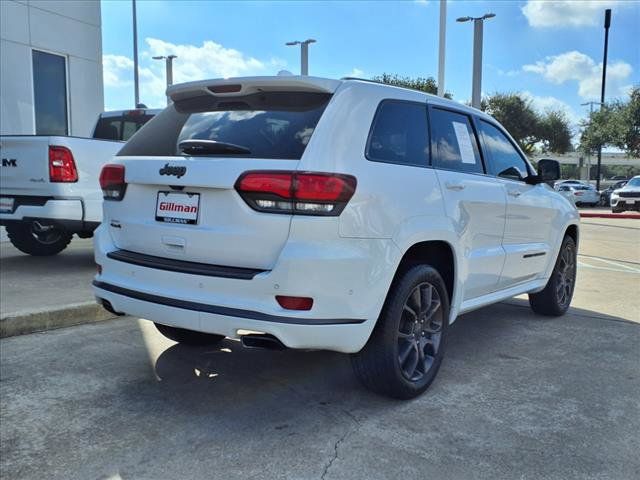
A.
x: 585, y: 195
x: 571, y: 183
x: 567, y: 192
x: 312, y: 213
x: 627, y: 197
x: 605, y: 195
x: 50, y: 189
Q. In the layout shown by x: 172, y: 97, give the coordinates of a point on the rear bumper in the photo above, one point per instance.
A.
x: 51, y: 209
x: 595, y: 198
x: 347, y: 278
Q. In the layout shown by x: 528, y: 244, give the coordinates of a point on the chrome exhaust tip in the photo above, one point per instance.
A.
x: 264, y: 341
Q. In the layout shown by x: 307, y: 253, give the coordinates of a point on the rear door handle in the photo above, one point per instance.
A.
x: 514, y: 193
x: 454, y: 186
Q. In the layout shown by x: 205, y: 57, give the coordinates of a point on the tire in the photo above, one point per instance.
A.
x: 38, y: 240
x: 188, y: 337
x: 555, y: 299
x: 390, y: 363
x: 617, y: 209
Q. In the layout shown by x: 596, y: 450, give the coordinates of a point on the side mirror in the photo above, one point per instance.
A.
x: 548, y: 170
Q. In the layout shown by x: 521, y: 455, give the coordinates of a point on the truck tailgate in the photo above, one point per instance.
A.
x: 25, y: 165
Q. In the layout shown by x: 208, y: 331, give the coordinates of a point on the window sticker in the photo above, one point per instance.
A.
x: 464, y: 143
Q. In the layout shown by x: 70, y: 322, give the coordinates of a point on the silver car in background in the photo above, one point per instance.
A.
x: 580, y: 194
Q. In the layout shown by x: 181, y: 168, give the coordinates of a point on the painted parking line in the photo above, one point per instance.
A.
x: 610, y: 265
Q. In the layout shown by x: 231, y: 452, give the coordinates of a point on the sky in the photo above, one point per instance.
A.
x: 550, y: 51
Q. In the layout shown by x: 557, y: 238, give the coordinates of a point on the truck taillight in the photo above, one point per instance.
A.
x: 301, y: 193
x: 112, y: 182
x: 62, y: 166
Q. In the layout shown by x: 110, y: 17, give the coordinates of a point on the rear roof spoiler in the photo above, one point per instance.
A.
x: 248, y: 85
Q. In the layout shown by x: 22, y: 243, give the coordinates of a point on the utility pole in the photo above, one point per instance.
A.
x: 607, y: 24
x: 168, y: 70
x: 478, y: 22
x: 135, y: 56
x: 442, y: 46
x: 591, y: 104
x: 304, y: 54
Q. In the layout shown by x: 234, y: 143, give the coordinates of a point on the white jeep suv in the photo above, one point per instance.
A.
x: 343, y: 215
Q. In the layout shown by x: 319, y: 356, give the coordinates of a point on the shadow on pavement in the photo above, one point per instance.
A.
x: 518, y: 396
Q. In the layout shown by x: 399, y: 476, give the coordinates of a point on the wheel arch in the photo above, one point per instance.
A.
x: 438, y: 254
x: 573, y: 231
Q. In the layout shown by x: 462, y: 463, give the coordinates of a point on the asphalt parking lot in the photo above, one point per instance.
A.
x: 518, y: 396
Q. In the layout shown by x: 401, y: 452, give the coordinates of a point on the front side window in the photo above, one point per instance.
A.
x: 399, y: 134
x: 275, y: 125
x: 455, y: 146
x: 50, y: 93
x: 505, y: 162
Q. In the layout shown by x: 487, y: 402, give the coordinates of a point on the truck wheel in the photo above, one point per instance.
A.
x: 555, y: 299
x: 617, y: 209
x: 406, y: 347
x: 188, y: 337
x: 37, y: 239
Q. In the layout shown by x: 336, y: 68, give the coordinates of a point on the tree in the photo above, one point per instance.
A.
x: 554, y: 132
x: 548, y: 132
x: 427, y: 85
x: 616, y: 124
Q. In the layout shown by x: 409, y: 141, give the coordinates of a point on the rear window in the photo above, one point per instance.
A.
x: 275, y: 125
x: 120, y: 127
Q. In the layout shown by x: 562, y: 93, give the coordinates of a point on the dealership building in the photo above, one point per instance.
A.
x: 50, y: 67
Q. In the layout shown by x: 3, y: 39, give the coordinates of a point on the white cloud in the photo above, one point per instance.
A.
x: 572, y: 13
x: 546, y: 103
x: 578, y: 67
x: 508, y: 73
x: 423, y: 3
x: 209, y: 60
x: 356, y: 72
x: 113, y: 68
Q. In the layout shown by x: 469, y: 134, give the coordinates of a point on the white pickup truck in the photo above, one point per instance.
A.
x: 49, y: 187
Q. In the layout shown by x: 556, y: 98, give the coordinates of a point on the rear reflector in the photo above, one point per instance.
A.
x: 62, y: 166
x: 295, y: 303
x: 303, y: 193
x: 112, y: 182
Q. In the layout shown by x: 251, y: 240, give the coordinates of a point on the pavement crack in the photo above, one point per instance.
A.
x: 335, y: 453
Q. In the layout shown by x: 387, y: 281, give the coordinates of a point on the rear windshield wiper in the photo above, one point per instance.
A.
x: 204, y: 147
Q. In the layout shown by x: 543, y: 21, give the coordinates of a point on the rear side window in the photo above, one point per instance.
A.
x: 120, y: 127
x: 275, y: 125
x: 399, y: 134
x: 505, y: 161
x: 454, y: 142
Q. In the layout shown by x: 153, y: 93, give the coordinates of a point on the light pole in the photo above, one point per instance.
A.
x: 136, y: 87
x: 607, y: 24
x: 591, y: 104
x: 478, y: 23
x: 169, y: 70
x: 442, y: 46
x: 304, y: 54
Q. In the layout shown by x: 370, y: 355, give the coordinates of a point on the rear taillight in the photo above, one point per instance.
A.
x: 62, y: 167
x: 302, y: 193
x: 112, y: 182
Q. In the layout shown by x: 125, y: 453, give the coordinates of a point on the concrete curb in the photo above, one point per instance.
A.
x: 610, y: 215
x: 22, y: 323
